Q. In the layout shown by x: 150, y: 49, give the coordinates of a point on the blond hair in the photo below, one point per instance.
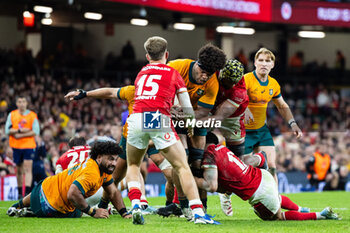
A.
x: 155, y: 47
x: 266, y: 52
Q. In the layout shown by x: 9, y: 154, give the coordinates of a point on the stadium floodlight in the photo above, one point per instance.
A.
x: 235, y: 30
x: 46, y: 21
x: 93, y: 15
x: 26, y: 14
x: 42, y: 9
x: 243, y: 31
x: 224, y: 29
x: 184, y: 26
x: 312, y: 34
x: 139, y: 22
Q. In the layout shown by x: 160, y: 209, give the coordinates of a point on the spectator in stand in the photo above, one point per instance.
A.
x: 128, y: 52
x: 3, y: 112
x: 7, y: 166
x: 319, y: 166
x: 296, y: 62
x: 340, y: 63
x: 242, y: 58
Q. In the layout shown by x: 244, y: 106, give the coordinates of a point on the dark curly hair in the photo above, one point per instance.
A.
x: 211, y: 58
x: 105, y: 148
x: 76, y: 141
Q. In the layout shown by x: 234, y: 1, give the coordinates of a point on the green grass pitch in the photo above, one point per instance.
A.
x: 243, y: 219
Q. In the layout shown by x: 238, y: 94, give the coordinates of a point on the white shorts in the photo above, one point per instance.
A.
x: 162, y: 137
x: 265, y: 200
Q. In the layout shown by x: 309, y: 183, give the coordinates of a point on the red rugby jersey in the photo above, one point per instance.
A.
x: 233, y: 175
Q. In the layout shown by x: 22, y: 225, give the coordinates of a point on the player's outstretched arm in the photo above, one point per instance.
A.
x: 117, y: 200
x: 75, y: 196
x: 100, y: 93
x: 209, y: 182
x: 287, y: 115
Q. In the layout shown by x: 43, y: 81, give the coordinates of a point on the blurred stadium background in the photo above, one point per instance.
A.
x: 46, y: 52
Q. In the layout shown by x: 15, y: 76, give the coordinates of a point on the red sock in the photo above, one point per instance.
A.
x: 295, y: 215
x: 287, y: 204
x: 176, y: 198
x: 134, y: 193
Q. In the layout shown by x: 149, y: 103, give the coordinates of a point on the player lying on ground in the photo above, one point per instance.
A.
x: 78, y: 153
x: 63, y: 195
x: 224, y: 172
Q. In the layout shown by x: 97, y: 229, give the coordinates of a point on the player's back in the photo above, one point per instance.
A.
x: 155, y: 88
x: 73, y: 156
x: 233, y: 175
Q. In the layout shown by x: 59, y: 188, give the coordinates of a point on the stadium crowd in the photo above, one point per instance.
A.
x: 321, y: 112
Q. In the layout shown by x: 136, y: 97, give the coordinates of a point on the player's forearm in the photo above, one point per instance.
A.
x: 202, y: 184
x: 186, y: 105
x: 117, y: 199
x: 103, y: 93
x: 201, y: 112
x: 285, y: 112
x: 76, y: 198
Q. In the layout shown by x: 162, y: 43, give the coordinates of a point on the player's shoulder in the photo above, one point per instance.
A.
x: 180, y: 62
x: 273, y: 81
x: 128, y: 88
x: 126, y: 92
x: 91, y: 165
x: 212, y: 83
x: 249, y: 76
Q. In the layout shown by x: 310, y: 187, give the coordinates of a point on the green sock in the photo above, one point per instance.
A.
x: 18, y: 205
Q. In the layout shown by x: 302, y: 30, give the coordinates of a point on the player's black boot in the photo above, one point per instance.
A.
x: 169, y: 210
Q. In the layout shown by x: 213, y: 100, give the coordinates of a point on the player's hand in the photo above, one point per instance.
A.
x: 248, y: 116
x: 75, y: 95
x: 297, y: 131
x: 176, y: 113
x: 101, y: 213
x: 190, y: 132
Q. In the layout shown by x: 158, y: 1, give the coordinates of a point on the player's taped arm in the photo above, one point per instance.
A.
x: 209, y: 182
x: 185, y: 102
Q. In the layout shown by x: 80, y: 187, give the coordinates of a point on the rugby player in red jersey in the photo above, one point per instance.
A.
x: 224, y: 172
x: 156, y: 86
